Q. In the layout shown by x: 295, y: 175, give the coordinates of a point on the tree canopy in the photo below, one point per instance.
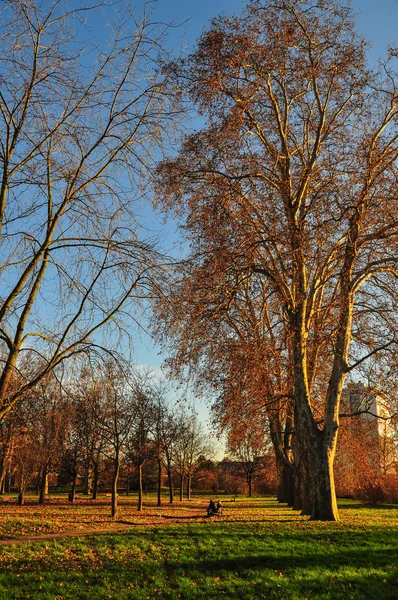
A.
x: 288, y: 198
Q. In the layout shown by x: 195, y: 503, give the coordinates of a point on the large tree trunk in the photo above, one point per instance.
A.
x: 286, y: 487
x: 298, y: 495
x: 307, y: 493
x: 305, y: 481
x: 284, y: 455
x: 324, y: 495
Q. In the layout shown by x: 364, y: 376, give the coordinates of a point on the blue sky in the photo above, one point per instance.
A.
x: 377, y: 19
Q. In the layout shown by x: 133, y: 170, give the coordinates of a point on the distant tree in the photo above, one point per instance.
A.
x: 46, y: 419
x: 140, y: 444
x: 87, y: 395
x: 163, y: 434
x: 26, y: 462
x: 116, y: 420
x: 197, y: 447
x: 248, y: 445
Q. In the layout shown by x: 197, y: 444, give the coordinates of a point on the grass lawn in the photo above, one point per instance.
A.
x: 257, y: 549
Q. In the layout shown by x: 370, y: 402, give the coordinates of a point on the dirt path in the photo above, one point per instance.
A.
x: 50, y: 537
x: 117, y: 528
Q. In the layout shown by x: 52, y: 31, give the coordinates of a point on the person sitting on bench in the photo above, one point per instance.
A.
x: 211, y: 509
x: 214, y: 509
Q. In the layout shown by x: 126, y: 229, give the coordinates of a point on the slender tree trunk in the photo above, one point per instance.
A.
x: 72, y: 494
x: 128, y: 483
x: 139, y: 487
x: 181, y: 486
x: 88, y: 480
x: 95, y: 481
x: 159, y: 482
x: 22, y: 485
x: 7, y: 486
x: 5, y: 465
x: 3, y: 473
x: 170, y: 481
x: 249, y: 484
x: 115, y: 479
x: 189, y: 483
x: 43, y: 485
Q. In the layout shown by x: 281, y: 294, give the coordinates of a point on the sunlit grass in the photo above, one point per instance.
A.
x: 257, y: 549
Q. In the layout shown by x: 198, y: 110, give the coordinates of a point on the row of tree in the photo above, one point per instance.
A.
x: 100, y: 422
x: 108, y: 429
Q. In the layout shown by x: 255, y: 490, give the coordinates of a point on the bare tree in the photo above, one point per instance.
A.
x: 248, y: 443
x: 79, y: 124
x: 140, y: 443
x: 116, y: 419
x: 46, y: 419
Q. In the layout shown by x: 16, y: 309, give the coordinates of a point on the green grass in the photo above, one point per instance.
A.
x: 258, y: 549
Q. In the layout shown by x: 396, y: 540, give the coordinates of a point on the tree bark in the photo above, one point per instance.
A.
x: 95, y: 481
x: 88, y: 479
x: 73, y: 489
x: 159, y: 482
x: 324, y: 496
x: 189, y: 483
x: 114, y: 486
x: 43, y: 485
x: 170, y: 481
x: 139, y: 507
x: 286, y: 488
x: 249, y: 483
